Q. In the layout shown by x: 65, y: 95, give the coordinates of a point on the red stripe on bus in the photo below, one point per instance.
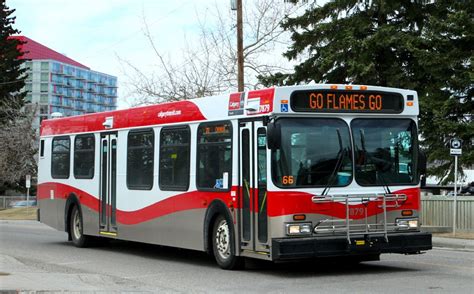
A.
x: 181, y: 202
x: 166, y: 113
x: 278, y: 203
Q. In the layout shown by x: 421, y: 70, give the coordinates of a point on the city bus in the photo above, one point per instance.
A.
x: 279, y: 174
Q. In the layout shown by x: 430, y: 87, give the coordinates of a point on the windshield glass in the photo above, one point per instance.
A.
x: 314, y: 152
x: 385, y: 151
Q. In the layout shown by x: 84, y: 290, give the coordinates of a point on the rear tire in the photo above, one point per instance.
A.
x: 76, y: 229
x: 223, y: 245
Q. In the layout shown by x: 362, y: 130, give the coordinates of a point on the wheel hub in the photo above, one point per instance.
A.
x: 223, y: 240
x: 77, y: 227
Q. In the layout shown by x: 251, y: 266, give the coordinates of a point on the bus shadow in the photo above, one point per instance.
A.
x: 321, y: 268
x: 308, y: 268
x: 157, y: 252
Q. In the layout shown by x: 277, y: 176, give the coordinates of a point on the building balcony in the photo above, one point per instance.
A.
x: 69, y: 74
x: 57, y: 72
x: 111, y: 95
x: 67, y: 105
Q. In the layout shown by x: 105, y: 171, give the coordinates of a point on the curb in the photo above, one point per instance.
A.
x: 464, y: 244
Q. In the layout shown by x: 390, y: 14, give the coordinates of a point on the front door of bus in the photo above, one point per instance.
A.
x: 108, y: 184
x: 253, y: 187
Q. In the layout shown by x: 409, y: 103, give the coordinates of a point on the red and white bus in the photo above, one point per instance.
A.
x: 278, y: 174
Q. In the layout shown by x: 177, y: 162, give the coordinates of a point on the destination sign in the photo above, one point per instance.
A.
x: 346, y: 101
x: 216, y: 129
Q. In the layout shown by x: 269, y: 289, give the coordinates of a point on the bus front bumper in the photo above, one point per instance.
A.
x: 338, y: 246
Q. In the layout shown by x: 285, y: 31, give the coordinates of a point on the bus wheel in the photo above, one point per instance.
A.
x: 77, y: 230
x: 223, y: 245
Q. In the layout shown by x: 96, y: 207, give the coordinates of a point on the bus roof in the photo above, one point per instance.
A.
x: 301, y: 100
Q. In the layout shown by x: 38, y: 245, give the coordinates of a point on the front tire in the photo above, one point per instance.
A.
x: 224, y: 246
x: 76, y: 229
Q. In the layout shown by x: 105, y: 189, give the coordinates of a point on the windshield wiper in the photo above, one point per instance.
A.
x: 340, y: 158
x: 382, y: 178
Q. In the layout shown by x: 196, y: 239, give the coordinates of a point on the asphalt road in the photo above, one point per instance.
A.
x: 36, y: 257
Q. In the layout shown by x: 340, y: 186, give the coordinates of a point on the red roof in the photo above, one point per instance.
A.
x: 34, y: 50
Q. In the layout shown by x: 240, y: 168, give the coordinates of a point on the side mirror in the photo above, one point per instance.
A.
x: 273, y: 136
x: 421, y: 162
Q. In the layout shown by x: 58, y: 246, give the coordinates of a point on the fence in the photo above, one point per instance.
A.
x: 437, y: 211
x: 9, y: 201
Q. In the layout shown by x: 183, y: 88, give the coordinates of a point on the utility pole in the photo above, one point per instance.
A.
x: 240, y: 45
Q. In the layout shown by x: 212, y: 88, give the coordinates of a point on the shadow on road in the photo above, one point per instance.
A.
x: 311, y: 268
x: 286, y: 269
x: 149, y: 251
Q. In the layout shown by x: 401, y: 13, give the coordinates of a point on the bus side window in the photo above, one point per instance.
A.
x: 60, y: 158
x: 84, y: 154
x: 140, y: 157
x: 214, y: 156
x: 174, y: 158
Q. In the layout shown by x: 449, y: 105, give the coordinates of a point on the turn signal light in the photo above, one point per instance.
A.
x: 409, y: 103
x: 407, y: 212
x: 299, y: 217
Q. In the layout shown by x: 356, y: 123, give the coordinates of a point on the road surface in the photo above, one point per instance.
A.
x: 36, y: 257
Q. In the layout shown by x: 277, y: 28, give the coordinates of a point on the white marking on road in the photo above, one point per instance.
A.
x: 141, y: 276
x: 71, y: 262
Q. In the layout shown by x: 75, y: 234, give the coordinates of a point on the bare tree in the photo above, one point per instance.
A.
x: 208, y: 67
x: 18, y: 148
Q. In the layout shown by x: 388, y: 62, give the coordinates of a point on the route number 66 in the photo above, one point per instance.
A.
x: 287, y: 180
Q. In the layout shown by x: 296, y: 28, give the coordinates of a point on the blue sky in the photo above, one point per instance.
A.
x: 95, y: 32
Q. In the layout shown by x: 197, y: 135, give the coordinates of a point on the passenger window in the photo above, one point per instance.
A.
x: 84, y: 154
x: 214, y: 156
x: 174, y: 159
x: 140, y: 156
x: 60, y: 158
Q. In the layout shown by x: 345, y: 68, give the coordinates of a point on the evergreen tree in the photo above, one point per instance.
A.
x: 12, y: 77
x: 420, y: 45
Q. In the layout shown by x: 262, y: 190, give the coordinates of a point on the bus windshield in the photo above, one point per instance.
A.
x: 314, y: 152
x: 385, y: 151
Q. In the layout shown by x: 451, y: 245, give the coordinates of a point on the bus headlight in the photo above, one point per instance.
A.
x: 298, y: 229
x: 407, y: 223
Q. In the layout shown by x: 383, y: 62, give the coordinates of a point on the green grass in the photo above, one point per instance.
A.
x: 20, y: 213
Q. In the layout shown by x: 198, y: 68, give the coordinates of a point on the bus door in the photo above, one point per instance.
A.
x: 253, y: 186
x: 108, y: 184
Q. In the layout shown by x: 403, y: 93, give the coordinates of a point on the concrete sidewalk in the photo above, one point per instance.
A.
x: 454, y: 243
